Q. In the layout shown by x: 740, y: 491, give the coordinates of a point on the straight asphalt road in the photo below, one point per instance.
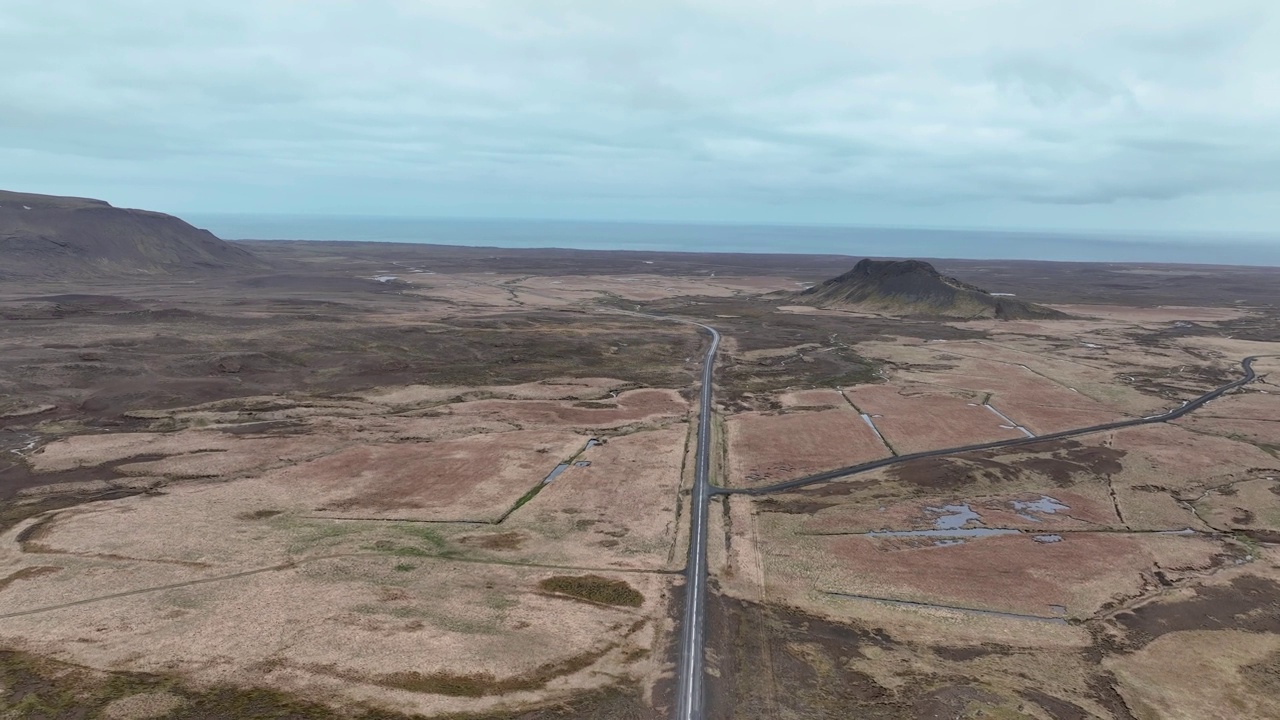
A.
x: 689, y: 697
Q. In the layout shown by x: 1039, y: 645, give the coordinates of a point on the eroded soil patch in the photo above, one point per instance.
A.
x: 1248, y: 603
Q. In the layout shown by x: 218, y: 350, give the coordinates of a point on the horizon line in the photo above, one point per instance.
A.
x: 1252, y: 235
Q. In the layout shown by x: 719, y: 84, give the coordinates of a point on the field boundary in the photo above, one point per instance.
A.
x: 839, y: 473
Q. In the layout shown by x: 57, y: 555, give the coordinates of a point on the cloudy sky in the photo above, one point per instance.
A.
x: 1153, y: 115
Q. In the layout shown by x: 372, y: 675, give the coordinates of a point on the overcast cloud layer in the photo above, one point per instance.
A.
x: 1156, y: 115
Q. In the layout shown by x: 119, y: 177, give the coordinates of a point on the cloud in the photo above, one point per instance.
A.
x: 852, y: 110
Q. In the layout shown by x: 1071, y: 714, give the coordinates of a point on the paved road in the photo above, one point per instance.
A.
x: 689, y: 694
x: 689, y: 697
x: 1174, y: 414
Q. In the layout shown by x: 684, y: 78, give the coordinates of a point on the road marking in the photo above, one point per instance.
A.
x: 689, y: 704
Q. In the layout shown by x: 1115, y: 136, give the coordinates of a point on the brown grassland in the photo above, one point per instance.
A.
x: 776, y: 446
x: 463, y: 493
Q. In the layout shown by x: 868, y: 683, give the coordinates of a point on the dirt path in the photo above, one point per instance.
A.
x: 293, y: 564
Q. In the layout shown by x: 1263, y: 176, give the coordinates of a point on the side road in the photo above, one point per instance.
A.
x: 1249, y: 376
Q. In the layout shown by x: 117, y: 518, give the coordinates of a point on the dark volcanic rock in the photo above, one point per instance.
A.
x: 913, y: 287
x: 55, y: 237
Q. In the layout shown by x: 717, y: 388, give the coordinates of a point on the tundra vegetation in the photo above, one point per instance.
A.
x: 379, y: 481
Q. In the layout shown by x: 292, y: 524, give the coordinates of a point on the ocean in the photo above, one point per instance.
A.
x: 673, y: 237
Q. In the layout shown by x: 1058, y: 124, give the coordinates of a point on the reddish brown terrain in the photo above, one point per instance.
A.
x: 352, y: 480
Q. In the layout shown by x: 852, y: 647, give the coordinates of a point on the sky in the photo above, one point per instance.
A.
x: 1151, y: 116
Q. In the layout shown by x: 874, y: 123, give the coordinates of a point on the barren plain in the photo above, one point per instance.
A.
x: 396, y: 481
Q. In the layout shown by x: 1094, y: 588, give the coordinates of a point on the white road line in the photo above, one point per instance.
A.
x: 689, y: 704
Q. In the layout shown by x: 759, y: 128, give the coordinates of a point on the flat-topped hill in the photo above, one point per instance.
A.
x: 914, y: 287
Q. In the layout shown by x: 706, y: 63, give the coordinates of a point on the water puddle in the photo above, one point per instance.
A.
x: 385, y: 278
x: 953, y: 516
x: 999, y: 414
x: 1011, y: 424
x: 872, y: 424
x: 555, y: 473
x: 1045, y: 505
x: 22, y: 443
x: 949, y: 527
x: 951, y: 523
x: 958, y: 534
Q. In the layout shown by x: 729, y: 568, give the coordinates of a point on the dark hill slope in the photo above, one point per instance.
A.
x: 912, y: 287
x: 48, y: 236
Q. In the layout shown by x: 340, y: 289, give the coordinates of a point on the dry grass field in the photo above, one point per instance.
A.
x: 452, y: 495
x: 1068, y: 579
x: 474, y: 479
x: 647, y: 406
x: 772, y: 447
x: 463, y: 493
x: 914, y: 417
x: 620, y: 511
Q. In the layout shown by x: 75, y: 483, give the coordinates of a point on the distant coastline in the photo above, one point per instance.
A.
x: 673, y: 237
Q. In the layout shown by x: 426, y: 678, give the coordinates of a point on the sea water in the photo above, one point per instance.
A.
x: 673, y: 237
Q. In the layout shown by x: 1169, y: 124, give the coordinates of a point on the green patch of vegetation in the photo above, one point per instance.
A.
x: 1251, y: 546
x: 423, y: 533
x: 405, y: 567
x: 424, y: 541
x: 527, y: 496
x: 408, y: 613
x: 322, y: 533
x: 594, y: 588
x: 523, y: 499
